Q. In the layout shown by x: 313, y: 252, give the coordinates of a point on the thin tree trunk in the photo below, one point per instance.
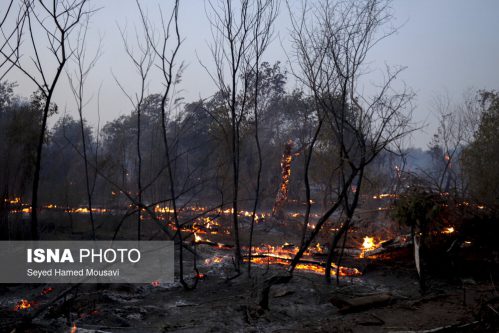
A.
x: 87, y: 177
x: 235, y: 193
x: 319, y: 225
x: 139, y: 174
x: 259, y: 171
x: 344, y: 228
x: 307, y: 182
x: 36, y: 178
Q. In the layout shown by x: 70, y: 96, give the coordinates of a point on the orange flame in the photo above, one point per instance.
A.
x: 368, y: 243
x: 23, y: 305
x: 448, y: 230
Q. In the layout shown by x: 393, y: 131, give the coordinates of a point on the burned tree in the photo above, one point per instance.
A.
x: 241, y: 33
x: 11, y: 39
x: 77, y: 84
x: 457, y: 125
x: 58, y: 21
x: 170, y: 73
x: 331, y: 42
x: 143, y: 62
x: 282, y: 193
x: 266, y: 13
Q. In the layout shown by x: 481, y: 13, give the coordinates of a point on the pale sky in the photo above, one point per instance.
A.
x: 448, y: 46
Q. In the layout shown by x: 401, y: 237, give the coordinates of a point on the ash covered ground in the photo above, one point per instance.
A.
x: 221, y: 302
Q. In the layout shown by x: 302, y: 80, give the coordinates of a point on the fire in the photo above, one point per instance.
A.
x: 319, y: 248
x: 307, y: 267
x: 23, y: 304
x: 448, y: 230
x: 228, y: 211
x: 159, y: 209
x: 155, y: 283
x: 82, y: 210
x: 197, y: 239
x: 282, y: 194
x: 283, y: 254
x: 368, y: 243
x: 14, y: 201
x: 214, y: 260
x: 74, y: 329
x: 386, y: 196
x: 286, y: 250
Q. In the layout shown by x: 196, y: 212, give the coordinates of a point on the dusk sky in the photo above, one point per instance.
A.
x: 448, y: 47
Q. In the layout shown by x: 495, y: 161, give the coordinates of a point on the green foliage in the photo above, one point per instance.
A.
x: 418, y: 208
x: 20, y: 123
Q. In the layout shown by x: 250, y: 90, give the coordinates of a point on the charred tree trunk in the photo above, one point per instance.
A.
x: 308, y: 160
x: 38, y: 164
x: 258, y: 174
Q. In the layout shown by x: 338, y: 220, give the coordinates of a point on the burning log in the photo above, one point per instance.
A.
x: 304, y: 264
x: 389, y: 246
x: 199, y: 240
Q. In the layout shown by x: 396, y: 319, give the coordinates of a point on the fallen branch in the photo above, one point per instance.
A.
x: 389, y: 246
x: 264, y: 294
x: 361, y: 303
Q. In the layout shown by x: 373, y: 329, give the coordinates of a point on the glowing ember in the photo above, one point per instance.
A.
x: 23, y: 305
x: 159, y: 209
x: 307, y: 267
x: 282, y: 255
x: 319, y: 248
x: 386, y: 196
x: 82, y: 210
x: 214, y: 260
x: 14, y: 201
x: 47, y: 290
x: 155, y: 283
